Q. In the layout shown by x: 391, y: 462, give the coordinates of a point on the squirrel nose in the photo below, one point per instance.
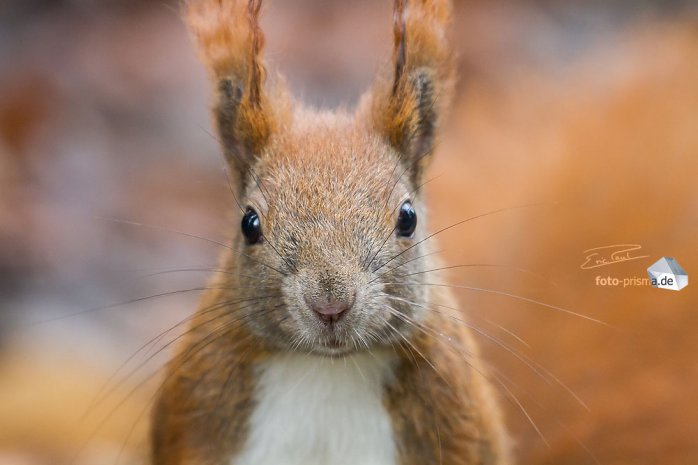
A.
x: 328, y: 311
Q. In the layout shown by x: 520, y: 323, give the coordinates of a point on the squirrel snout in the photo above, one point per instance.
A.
x: 329, y: 311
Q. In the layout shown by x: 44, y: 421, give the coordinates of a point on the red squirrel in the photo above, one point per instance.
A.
x: 320, y: 340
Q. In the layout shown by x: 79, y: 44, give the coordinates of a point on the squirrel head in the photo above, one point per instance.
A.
x: 332, y: 231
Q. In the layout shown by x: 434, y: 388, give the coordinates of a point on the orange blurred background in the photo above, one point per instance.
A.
x: 587, y: 112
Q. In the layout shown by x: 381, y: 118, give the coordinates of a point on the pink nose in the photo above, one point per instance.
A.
x: 329, y: 312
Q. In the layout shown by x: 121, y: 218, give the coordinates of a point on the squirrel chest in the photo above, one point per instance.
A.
x: 312, y: 410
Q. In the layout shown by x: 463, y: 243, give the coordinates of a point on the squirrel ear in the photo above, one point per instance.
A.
x: 230, y: 42
x: 407, y: 109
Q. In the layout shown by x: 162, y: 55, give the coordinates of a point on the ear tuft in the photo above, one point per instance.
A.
x: 407, y: 109
x: 230, y: 44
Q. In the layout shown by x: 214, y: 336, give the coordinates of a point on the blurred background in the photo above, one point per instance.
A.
x: 587, y: 109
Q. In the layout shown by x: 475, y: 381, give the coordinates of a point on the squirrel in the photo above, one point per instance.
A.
x: 319, y: 340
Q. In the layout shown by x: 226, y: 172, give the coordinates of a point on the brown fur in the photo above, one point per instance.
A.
x: 327, y: 187
x: 442, y: 397
x: 212, y: 375
x: 230, y: 43
x: 562, y: 135
x: 407, y: 107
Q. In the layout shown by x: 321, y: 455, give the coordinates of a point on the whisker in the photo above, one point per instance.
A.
x: 229, y: 377
x: 193, y: 350
x: 358, y: 368
x: 545, y: 374
x: 140, y: 415
x: 410, y: 261
x: 210, y: 269
x: 185, y: 234
x: 136, y: 300
x: 435, y: 144
x: 115, y: 305
x: 392, y: 212
x: 283, y: 259
x: 254, y: 174
x: 482, y: 215
x: 226, y: 170
x: 497, y: 379
x: 103, y: 393
x: 470, y: 315
x: 483, y: 265
x: 413, y: 347
x: 257, y: 180
x: 528, y: 416
x: 517, y: 297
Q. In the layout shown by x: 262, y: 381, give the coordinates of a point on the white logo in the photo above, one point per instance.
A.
x: 666, y: 273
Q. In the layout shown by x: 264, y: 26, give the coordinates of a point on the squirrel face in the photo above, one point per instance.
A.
x: 337, y: 213
x: 326, y: 259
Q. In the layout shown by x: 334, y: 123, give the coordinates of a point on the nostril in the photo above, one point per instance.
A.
x: 330, y: 312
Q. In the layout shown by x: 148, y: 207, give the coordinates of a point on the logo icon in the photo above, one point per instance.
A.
x: 666, y: 273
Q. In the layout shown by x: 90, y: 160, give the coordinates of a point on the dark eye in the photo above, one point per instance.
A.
x: 251, y: 226
x: 406, y: 220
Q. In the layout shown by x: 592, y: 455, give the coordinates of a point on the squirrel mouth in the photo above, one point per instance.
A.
x: 333, y: 348
x: 333, y: 342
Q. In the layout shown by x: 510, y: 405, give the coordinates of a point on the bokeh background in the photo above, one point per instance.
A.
x: 586, y: 110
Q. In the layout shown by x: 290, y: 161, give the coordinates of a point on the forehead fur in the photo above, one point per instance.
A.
x: 327, y: 187
x: 329, y: 159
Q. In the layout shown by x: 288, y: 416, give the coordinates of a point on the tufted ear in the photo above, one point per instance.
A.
x: 406, y: 108
x: 230, y: 42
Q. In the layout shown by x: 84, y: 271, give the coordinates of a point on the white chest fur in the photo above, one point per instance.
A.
x: 320, y: 411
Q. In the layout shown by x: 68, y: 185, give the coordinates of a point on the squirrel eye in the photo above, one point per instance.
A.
x: 251, y: 226
x: 406, y: 220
